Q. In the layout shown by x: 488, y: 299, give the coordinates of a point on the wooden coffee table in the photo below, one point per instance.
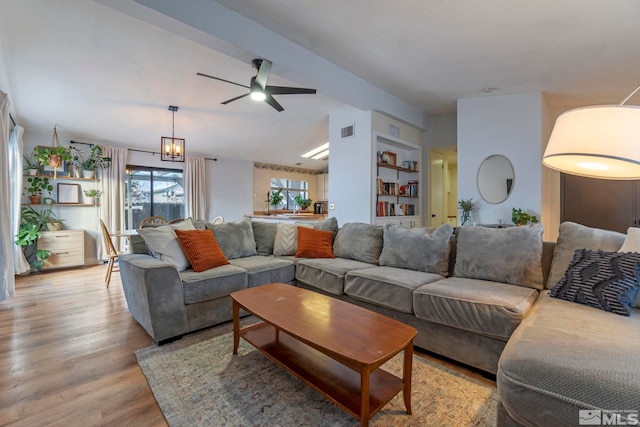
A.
x: 334, y: 347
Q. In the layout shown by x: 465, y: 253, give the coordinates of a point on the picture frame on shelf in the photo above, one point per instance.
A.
x: 389, y: 158
x: 68, y: 194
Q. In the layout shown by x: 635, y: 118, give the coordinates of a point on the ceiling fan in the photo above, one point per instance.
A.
x: 258, y: 88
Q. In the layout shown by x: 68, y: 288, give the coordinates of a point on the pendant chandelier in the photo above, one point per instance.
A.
x: 172, y: 148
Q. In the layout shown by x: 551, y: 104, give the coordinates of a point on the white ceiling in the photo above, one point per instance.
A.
x: 98, y: 72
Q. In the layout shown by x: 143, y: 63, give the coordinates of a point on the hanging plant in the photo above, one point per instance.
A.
x: 54, y: 156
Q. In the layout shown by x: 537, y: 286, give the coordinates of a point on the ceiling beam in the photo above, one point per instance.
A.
x: 224, y: 30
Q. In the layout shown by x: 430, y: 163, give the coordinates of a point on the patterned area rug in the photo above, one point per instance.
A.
x: 198, y: 382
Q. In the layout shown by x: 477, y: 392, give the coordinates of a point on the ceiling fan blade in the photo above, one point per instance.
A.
x: 283, y: 90
x: 263, y: 73
x: 234, y: 99
x: 222, y: 80
x: 271, y: 101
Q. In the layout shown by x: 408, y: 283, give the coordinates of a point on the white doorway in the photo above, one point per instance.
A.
x: 443, y: 186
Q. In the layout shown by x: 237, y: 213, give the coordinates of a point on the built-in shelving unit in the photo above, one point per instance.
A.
x: 397, y: 181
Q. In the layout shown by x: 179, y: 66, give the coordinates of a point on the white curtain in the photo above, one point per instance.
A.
x: 113, y: 193
x: 20, y: 264
x: 7, y: 279
x: 195, y: 195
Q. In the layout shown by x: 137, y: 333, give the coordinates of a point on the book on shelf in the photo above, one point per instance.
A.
x: 394, y: 209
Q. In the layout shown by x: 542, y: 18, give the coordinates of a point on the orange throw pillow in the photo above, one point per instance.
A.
x: 201, y: 249
x: 314, y: 243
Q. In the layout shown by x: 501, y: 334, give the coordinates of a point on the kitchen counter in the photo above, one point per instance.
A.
x: 286, y: 217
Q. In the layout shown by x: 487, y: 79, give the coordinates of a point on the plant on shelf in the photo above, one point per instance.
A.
x: 38, y: 184
x: 92, y: 194
x: 52, y: 156
x: 467, y: 206
x: 520, y: 217
x: 276, y: 198
x: 94, y: 161
x: 30, y: 164
x: 302, y: 202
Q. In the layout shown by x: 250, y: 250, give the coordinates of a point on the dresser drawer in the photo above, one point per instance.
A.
x: 66, y: 246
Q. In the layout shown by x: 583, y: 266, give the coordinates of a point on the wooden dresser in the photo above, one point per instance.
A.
x: 66, y: 246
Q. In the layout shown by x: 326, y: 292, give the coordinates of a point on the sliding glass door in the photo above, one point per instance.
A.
x: 153, y: 192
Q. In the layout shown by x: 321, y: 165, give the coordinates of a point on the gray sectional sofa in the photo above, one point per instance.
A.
x: 480, y: 297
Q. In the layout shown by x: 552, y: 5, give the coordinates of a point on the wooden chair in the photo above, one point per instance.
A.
x: 112, y: 253
x: 217, y: 220
x: 176, y: 220
x: 153, y: 221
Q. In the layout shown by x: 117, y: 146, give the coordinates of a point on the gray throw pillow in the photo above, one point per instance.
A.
x: 329, y: 224
x: 359, y: 241
x: 264, y: 234
x: 605, y: 280
x: 163, y: 243
x: 420, y: 249
x: 235, y: 238
x: 507, y: 255
x: 574, y: 236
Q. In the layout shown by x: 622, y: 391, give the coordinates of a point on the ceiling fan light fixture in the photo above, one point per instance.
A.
x: 172, y: 149
x: 258, y: 95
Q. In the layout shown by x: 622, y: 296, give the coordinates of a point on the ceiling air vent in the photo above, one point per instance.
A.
x: 348, y: 131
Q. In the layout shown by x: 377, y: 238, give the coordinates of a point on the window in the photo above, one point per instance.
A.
x: 153, y: 191
x: 290, y: 189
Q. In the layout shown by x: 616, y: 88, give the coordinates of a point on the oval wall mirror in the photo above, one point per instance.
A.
x: 495, y: 179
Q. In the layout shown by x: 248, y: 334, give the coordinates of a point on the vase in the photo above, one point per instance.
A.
x: 35, y: 200
x: 88, y: 174
x: 465, y: 219
x: 90, y: 200
x: 32, y: 172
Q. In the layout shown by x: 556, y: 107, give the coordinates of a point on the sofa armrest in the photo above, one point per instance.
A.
x: 154, y: 294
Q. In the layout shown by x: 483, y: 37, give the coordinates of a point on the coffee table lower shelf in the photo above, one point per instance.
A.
x: 337, y: 382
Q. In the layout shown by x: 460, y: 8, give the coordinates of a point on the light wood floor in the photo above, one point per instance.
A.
x: 66, y: 354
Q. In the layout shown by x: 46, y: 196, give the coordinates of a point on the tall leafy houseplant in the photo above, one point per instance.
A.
x: 31, y: 224
x: 93, y: 161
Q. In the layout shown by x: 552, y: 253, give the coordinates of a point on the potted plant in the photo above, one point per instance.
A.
x: 302, y: 202
x: 52, y: 156
x: 30, y: 164
x: 38, y: 184
x: 520, y: 217
x: 91, y: 195
x: 94, y: 161
x: 467, y: 206
x: 276, y: 198
x: 31, y: 224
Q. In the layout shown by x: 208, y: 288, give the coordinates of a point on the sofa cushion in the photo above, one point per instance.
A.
x: 327, y: 273
x: 235, y: 238
x: 314, y: 243
x: 266, y: 269
x: 487, y: 308
x: 387, y: 286
x: 574, y: 236
x: 264, y: 234
x: 631, y: 241
x: 506, y: 255
x: 286, y: 241
x: 329, y: 224
x: 606, y: 280
x: 163, y: 244
x: 359, y: 242
x: 201, y: 249
x: 421, y: 249
x: 565, y: 357
x: 213, y: 283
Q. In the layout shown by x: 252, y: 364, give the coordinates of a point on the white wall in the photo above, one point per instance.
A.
x: 511, y: 125
x: 350, y: 166
x: 231, y: 189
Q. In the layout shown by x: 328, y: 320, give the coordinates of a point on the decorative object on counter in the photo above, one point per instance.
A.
x: 275, y: 198
x: 55, y: 156
x: 91, y: 195
x: 94, y: 161
x: 172, y: 148
x: 302, y: 202
x: 38, y: 184
x: 467, y: 207
x: 520, y: 217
